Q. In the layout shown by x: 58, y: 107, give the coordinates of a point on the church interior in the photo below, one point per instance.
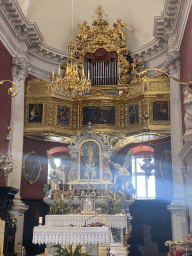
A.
x: 96, y: 127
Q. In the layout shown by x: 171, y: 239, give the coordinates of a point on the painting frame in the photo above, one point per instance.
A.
x: 133, y: 114
x: 31, y: 167
x: 35, y: 113
x: 160, y: 110
x: 98, y: 115
x: 63, y: 118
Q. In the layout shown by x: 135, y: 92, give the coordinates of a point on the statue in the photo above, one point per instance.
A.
x: 90, y: 153
x: 83, y: 30
x: 118, y: 26
x: 135, y: 68
x: 188, y: 108
x: 58, y: 173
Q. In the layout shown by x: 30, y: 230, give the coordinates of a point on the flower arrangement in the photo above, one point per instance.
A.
x: 59, y: 208
x: 68, y: 251
x: 111, y: 208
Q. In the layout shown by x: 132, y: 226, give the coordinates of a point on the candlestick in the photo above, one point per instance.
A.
x: 40, y: 220
x: 104, y: 221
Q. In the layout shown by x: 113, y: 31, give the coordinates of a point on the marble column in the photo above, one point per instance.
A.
x: 177, y: 207
x: 19, y: 72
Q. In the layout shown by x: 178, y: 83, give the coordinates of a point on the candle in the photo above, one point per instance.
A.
x: 83, y: 72
x: 53, y: 73
x: 47, y: 181
x: 106, y: 187
x: 114, y: 196
x: 62, y: 196
x: 59, y: 71
x: 70, y: 187
x: 40, y: 220
x: 88, y: 74
x: 104, y: 221
x: 55, y: 186
x: 64, y: 180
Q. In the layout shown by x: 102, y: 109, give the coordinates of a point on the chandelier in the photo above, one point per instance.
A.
x: 74, y: 82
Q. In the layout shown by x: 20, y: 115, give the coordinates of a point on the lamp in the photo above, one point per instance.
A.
x: 72, y: 84
x: 6, y: 161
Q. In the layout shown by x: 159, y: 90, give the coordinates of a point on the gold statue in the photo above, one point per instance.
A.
x: 90, y: 153
x: 135, y: 68
x: 118, y: 26
x: 83, y: 30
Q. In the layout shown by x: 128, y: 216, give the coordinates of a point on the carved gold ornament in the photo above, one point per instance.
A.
x: 11, y: 90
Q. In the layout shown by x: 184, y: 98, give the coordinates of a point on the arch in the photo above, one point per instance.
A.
x: 142, y: 150
x: 59, y: 150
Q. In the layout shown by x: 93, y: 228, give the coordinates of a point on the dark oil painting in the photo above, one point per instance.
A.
x: 62, y: 115
x: 98, y: 115
x: 160, y: 110
x: 35, y: 113
x: 133, y: 114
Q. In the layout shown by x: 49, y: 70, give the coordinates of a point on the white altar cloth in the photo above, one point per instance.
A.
x: 112, y: 221
x: 71, y: 235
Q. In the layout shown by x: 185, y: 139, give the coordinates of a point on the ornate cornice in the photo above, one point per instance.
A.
x: 23, y: 29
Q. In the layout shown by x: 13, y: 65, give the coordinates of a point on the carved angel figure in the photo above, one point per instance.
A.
x: 58, y: 173
x: 83, y: 30
x: 188, y: 108
x: 118, y: 26
x: 135, y: 68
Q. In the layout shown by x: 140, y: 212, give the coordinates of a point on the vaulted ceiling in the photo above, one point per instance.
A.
x: 54, y: 18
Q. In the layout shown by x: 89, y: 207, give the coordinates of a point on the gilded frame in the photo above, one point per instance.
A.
x: 100, y: 163
x: 31, y: 172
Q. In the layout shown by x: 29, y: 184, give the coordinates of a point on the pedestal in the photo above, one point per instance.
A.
x: 6, y: 202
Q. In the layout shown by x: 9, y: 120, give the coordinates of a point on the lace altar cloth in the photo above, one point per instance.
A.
x: 112, y: 221
x: 71, y: 235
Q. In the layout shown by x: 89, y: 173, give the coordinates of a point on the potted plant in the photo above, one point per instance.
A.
x: 60, y: 251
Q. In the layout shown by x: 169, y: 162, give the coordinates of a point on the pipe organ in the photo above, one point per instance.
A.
x: 102, y: 73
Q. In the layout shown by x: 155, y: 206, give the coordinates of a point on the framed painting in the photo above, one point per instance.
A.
x: 133, y: 112
x: 161, y: 110
x: 89, y: 161
x: 98, y: 115
x: 31, y: 167
x: 62, y: 115
x: 35, y: 113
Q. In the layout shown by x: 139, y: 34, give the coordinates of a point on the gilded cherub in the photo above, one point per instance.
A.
x: 83, y: 30
x: 118, y: 26
x: 135, y: 68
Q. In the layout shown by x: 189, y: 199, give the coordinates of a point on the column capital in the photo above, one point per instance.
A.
x: 172, y: 62
x: 20, y: 68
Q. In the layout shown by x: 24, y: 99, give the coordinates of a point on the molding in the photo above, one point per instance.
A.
x: 168, y: 32
x: 20, y: 26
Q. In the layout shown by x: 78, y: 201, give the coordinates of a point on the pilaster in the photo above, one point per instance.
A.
x: 19, y: 72
x: 178, y: 207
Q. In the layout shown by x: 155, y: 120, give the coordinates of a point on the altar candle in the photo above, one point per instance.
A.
x: 40, y: 220
x: 53, y: 73
x: 47, y: 181
x: 106, y: 186
x: 55, y: 186
x: 88, y: 74
x: 62, y: 196
x: 104, y: 221
x: 114, y: 196
x: 59, y: 70
x: 70, y: 187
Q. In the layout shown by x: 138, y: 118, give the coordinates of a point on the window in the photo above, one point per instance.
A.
x: 144, y: 185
